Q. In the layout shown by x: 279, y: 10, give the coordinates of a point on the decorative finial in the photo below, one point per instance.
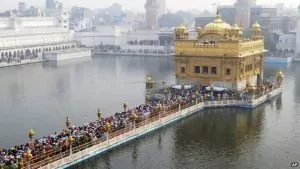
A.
x: 241, y: 25
x: 218, y: 11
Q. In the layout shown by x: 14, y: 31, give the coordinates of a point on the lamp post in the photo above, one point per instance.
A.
x: 99, y: 114
x: 71, y: 141
x: 279, y: 78
x: 107, y: 125
x: 125, y: 105
x: 159, y: 112
x: 28, y: 157
x: 251, y: 90
x: 20, y: 164
x: 31, y: 134
x: 197, y: 95
x: 179, y: 103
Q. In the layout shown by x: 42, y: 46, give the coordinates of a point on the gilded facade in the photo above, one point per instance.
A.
x: 220, y: 55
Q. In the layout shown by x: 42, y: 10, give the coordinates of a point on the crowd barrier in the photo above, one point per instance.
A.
x: 73, y: 154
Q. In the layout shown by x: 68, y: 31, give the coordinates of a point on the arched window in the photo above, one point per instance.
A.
x: 182, y: 69
x: 227, y: 71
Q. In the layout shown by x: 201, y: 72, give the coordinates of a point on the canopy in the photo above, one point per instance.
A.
x: 180, y: 86
x: 217, y: 89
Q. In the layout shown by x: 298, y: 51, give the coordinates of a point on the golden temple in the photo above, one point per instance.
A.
x: 220, y: 55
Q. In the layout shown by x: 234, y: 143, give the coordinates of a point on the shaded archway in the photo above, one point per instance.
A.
x: 292, y: 51
x: 2, y: 57
x: 286, y: 51
x: 27, y: 52
x: 259, y: 79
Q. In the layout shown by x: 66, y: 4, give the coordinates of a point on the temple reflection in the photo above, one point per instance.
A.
x: 279, y: 103
x: 214, y: 131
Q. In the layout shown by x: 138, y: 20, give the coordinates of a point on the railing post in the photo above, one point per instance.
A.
x: 196, y: 100
x: 107, y: 137
x: 179, y: 108
x: 159, y: 116
x: 28, y: 165
x: 71, y: 149
x: 134, y: 127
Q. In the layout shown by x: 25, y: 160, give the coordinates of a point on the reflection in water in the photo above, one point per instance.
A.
x: 43, y: 94
x: 278, y: 103
x: 215, y: 134
x: 40, y: 96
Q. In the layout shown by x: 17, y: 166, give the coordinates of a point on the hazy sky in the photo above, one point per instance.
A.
x: 138, y: 5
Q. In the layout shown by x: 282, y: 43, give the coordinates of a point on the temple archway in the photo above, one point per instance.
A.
x: 15, y: 53
x: 258, y: 79
x: 9, y: 54
x: 40, y: 50
x: 27, y: 52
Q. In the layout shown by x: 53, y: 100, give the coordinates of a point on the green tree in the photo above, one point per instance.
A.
x: 173, y: 19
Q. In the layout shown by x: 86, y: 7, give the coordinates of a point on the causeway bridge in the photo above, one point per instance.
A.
x: 64, y: 159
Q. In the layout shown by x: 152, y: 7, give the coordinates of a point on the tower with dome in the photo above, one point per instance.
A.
x: 298, y: 32
x: 220, y: 55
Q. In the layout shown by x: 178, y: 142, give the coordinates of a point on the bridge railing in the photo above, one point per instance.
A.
x: 51, y: 156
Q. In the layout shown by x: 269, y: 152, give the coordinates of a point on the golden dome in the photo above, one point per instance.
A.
x: 181, y: 28
x: 280, y: 73
x: 217, y: 26
x: 198, y: 29
x: 251, y: 86
x: 235, y: 27
x: 256, y: 25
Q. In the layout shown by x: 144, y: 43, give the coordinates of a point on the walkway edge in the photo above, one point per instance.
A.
x: 142, y: 131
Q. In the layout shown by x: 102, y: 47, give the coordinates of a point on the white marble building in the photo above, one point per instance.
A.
x: 104, y: 34
x: 23, y: 36
x: 287, y: 43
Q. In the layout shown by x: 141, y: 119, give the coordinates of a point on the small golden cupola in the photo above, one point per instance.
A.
x: 181, y: 32
x: 218, y: 26
x: 236, y: 32
x: 256, y: 31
